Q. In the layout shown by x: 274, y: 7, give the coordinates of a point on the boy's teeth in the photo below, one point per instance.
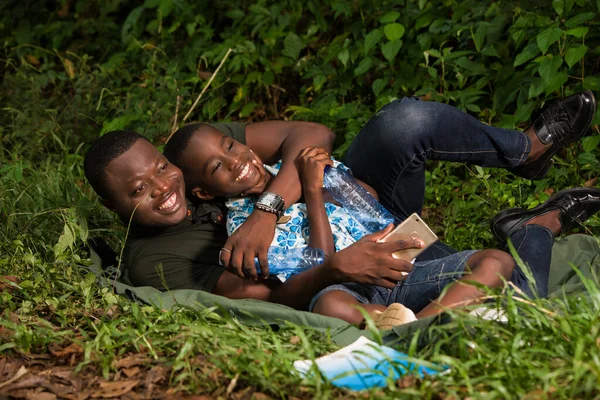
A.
x: 243, y: 173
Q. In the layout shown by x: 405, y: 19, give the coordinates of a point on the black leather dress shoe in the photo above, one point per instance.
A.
x: 575, y: 206
x: 562, y: 123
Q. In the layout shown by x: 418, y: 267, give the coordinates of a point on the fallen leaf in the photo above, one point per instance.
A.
x: 129, y: 372
x: 591, y: 182
x: 72, y: 348
x: 8, y: 283
x: 132, y: 361
x: 407, y: 381
x: 260, y: 396
x: 295, y: 340
x: 22, y: 371
x: 114, y: 389
x: 35, y: 395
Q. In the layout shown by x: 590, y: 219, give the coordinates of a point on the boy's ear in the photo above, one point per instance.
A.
x: 201, y: 194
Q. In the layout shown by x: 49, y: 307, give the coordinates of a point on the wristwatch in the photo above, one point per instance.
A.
x: 270, y: 202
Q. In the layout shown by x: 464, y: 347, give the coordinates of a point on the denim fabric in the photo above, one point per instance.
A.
x: 422, y: 285
x: 533, y: 244
x: 390, y: 152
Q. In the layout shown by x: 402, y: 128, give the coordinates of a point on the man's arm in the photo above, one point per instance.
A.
x: 273, y: 140
x: 366, y: 261
x: 283, y: 140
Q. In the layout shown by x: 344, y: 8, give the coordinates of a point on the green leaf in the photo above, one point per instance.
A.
x: 166, y: 6
x: 119, y: 123
x: 490, y: 51
x: 343, y: 56
x: 575, y: 54
x: 378, y: 86
x: 578, y: 32
x: 393, y: 31
x: 589, y: 143
x: 536, y: 87
x: 559, y: 6
x: 579, y: 19
x: 292, y: 45
x: 389, y: 17
x: 591, y: 83
x: 248, y: 109
x: 557, y: 82
x: 530, y: 51
x: 391, y: 49
x: 268, y: 77
x: 363, y: 67
x: 548, y: 37
x: 66, y: 240
x: 479, y: 35
x: 549, y: 67
x: 473, y: 107
x: 371, y: 40
x: 130, y: 25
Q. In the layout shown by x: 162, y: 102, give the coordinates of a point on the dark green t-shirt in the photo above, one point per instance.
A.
x: 184, y: 256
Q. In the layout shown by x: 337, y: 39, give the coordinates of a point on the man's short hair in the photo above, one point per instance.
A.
x: 179, y: 142
x: 104, y: 150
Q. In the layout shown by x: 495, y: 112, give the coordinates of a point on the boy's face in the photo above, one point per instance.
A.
x: 142, y: 175
x: 221, y: 166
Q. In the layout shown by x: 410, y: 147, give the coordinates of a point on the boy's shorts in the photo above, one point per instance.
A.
x: 423, y: 285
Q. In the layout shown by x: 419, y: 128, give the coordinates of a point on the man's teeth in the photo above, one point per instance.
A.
x: 244, y: 172
x: 169, y: 203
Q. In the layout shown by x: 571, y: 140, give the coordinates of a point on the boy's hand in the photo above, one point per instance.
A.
x: 371, y: 262
x: 311, y: 164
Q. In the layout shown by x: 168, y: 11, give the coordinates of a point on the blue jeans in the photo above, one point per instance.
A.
x: 390, y: 152
x: 426, y: 281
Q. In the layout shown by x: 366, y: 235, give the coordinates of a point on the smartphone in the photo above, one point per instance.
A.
x: 411, y: 228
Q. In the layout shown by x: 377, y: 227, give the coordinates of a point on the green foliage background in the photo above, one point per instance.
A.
x: 74, y: 69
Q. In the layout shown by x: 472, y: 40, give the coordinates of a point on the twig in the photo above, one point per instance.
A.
x: 174, y: 128
x: 207, y: 86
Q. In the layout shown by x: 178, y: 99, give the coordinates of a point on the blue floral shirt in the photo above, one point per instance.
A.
x: 294, y: 233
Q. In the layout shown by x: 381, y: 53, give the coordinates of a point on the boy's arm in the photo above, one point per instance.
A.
x: 366, y: 261
x: 273, y: 140
x: 311, y: 164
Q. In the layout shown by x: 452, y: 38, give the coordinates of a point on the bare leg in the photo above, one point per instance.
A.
x: 344, y: 306
x: 486, y: 267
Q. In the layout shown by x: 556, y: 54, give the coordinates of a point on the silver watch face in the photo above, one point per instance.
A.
x: 269, y: 198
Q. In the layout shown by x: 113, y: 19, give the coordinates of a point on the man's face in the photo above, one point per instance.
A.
x: 222, y: 166
x: 143, y: 178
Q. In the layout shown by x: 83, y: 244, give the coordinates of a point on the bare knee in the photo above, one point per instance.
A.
x: 340, y: 305
x: 494, y: 267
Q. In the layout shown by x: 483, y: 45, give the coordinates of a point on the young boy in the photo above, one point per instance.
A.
x: 215, y: 165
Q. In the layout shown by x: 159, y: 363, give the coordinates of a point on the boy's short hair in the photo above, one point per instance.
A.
x: 104, y: 150
x: 179, y: 142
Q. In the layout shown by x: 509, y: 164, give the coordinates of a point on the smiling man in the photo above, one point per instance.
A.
x: 175, y: 244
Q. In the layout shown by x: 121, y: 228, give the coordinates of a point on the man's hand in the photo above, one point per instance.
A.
x: 251, y: 240
x: 311, y: 165
x: 371, y: 262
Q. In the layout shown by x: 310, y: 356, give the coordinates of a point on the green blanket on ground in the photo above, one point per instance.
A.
x: 581, y: 251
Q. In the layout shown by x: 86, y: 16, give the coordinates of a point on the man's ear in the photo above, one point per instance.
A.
x: 108, y: 204
x: 201, y: 194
